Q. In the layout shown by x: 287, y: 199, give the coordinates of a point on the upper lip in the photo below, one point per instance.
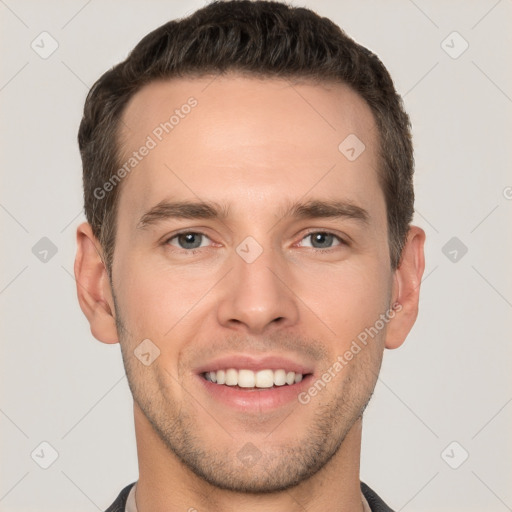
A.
x: 255, y: 363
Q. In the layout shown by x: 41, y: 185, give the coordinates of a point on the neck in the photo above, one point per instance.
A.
x: 166, y: 485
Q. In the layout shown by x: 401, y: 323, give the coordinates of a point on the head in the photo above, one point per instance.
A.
x: 248, y: 190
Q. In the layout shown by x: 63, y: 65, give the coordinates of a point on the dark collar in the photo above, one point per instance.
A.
x: 373, y: 499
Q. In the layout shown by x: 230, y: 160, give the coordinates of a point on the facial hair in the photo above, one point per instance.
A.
x: 276, y: 468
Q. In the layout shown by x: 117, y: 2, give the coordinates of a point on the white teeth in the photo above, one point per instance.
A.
x: 231, y: 377
x: 249, y: 379
x: 246, y: 378
x: 221, y: 376
x: 279, y: 377
x: 265, y: 379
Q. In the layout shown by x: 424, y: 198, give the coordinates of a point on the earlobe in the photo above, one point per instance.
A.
x: 406, y: 288
x: 93, y: 286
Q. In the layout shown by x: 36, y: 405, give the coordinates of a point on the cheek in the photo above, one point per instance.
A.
x: 347, y: 298
x: 154, y: 297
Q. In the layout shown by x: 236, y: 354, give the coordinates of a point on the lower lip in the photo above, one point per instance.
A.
x: 253, y: 399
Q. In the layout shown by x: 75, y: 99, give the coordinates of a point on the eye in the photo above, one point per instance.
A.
x: 188, y: 240
x: 322, y: 240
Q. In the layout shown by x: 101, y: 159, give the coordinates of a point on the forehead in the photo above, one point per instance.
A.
x: 233, y: 138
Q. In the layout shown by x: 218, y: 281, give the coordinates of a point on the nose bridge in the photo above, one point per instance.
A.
x: 254, y: 294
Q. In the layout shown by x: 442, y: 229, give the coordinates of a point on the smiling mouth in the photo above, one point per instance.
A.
x: 248, y: 379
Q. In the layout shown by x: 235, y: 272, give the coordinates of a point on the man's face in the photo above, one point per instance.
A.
x: 255, y: 288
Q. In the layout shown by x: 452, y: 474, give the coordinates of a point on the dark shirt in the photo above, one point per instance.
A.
x: 375, y: 502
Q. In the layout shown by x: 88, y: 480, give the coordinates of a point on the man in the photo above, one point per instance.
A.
x: 248, y: 190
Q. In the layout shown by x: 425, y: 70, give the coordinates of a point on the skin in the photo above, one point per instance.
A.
x: 254, y: 145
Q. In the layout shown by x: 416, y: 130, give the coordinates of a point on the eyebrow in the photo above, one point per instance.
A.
x: 313, y: 209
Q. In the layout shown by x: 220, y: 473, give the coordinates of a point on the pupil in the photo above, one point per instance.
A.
x: 323, y: 238
x: 190, y: 238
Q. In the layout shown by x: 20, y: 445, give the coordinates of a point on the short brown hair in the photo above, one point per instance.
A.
x: 259, y: 38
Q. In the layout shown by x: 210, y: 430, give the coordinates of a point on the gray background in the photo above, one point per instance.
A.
x: 449, y: 382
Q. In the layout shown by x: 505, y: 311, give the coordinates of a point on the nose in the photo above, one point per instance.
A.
x: 257, y: 296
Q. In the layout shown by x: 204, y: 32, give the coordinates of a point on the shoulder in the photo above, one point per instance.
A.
x: 374, y: 500
x: 119, y: 504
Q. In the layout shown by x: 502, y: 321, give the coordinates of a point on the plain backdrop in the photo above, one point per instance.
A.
x: 437, y: 431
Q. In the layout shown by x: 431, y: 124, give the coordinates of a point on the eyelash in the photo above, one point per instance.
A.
x: 315, y: 250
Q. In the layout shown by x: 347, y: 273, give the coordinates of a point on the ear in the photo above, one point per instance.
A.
x: 406, y: 288
x: 93, y: 286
